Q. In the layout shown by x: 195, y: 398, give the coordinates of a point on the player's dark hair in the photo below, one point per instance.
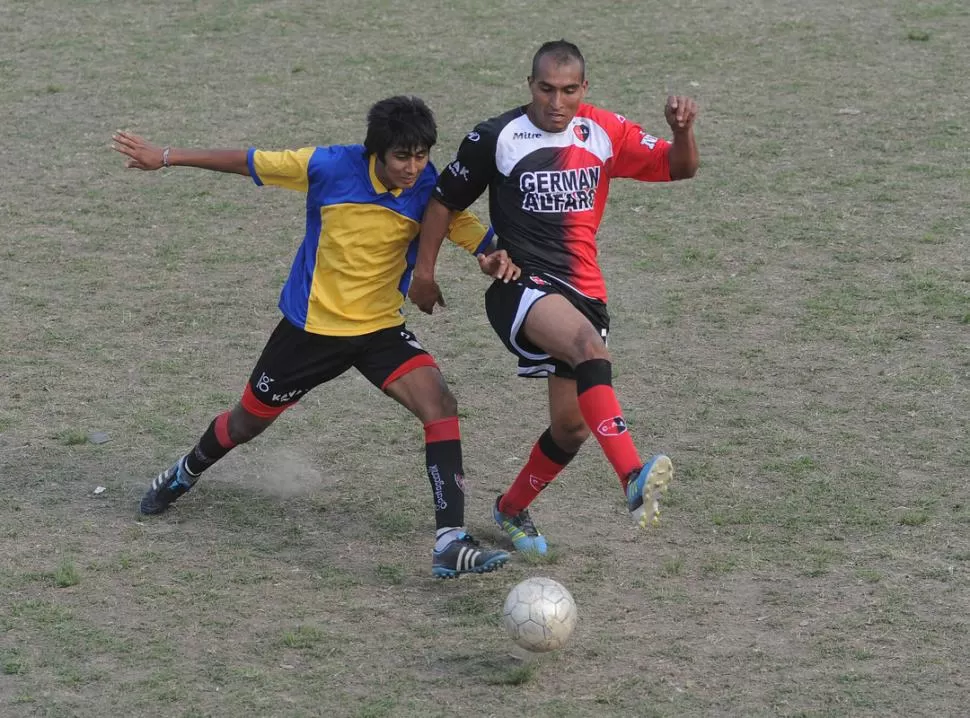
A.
x: 562, y: 52
x: 402, y: 122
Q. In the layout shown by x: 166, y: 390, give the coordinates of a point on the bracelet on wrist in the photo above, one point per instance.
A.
x: 165, y: 153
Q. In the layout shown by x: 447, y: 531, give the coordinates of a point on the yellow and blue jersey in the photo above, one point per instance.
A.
x: 351, y: 273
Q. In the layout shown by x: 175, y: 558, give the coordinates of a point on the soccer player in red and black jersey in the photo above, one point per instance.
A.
x: 547, y: 167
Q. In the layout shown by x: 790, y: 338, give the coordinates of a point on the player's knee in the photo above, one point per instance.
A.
x: 435, y: 406
x: 570, y: 434
x: 587, y: 346
x: 447, y: 404
x: 244, y: 426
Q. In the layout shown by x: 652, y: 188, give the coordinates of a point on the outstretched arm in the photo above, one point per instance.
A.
x: 683, y: 156
x: 144, y: 155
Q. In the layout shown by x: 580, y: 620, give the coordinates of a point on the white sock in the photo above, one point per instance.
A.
x: 446, y: 535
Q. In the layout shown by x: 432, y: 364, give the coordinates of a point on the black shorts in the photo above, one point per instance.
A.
x: 507, y: 306
x: 295, y: 361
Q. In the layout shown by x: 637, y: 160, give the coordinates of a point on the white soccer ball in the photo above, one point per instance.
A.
x: 539, y: 614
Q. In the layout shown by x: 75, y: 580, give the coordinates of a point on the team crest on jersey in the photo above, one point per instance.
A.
x: 581, y: 132
x: 473, y: 137
x: 538, y: 281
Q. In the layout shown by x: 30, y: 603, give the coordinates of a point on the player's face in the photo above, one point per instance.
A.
x: 401, y: 167
x: 557, y: 91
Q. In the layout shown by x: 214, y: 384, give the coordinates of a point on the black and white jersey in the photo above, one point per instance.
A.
x: 548, y: 190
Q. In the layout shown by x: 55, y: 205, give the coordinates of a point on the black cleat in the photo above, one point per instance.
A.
x: 166, y: 487
x: 464, y: 555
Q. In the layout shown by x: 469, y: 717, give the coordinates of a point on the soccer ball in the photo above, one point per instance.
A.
x: 539, y: 614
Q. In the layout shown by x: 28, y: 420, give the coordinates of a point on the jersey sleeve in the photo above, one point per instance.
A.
x: 467, y: 176
x: 468, y: 232
x: 641, y: 156
x: 288, y: 169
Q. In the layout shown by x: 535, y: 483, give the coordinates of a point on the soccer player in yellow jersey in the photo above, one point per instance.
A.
x: 342, y: 303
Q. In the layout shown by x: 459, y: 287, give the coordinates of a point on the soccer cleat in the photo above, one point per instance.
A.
x: 645, y: 487
x: 521, y: 529
x: 167, y: 486
x: 463, y: 555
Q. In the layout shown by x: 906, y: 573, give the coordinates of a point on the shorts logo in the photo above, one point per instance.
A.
x: 537, y: 482
x: 264, y: 382
x: 473, y: 137
x: 581, y: 132
x: 412, y: 340
x: 287, y: 397
x: 538, y: 281
x: 612, y: 427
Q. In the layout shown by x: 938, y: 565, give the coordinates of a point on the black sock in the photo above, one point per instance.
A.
x: 442, y: 451
x: 214, y: 444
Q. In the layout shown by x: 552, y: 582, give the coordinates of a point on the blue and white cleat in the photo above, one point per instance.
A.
x: 167, y: 486
x: 521, y: 529
x: 464, y: 555
x: 645, y: 487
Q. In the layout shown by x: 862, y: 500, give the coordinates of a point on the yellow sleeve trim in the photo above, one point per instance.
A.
x: 286, y: 169
x: 466, y: 231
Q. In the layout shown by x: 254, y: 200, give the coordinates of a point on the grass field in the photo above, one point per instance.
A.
x: 792, y: 327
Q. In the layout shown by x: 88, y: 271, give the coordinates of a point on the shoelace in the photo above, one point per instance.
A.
x: 524, y: 522
x: 467, y: 538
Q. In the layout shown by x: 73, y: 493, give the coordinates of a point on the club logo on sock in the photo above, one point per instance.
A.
x: 460, y: 482
x: 537, y: 482
x: 612, y: 427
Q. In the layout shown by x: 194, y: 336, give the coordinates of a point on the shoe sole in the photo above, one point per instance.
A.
x: 532, y: 546
x: 652, y: 486
x: 151, y: 510
x: 444, y: 572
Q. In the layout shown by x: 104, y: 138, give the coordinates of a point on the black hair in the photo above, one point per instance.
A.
x: 403, y: 121
x: 562, y: 52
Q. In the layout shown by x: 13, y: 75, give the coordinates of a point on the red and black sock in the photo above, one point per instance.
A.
x: 601, y: 410
x: 214, y: 444
x: 545, y: 462
x: 442, y: 450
